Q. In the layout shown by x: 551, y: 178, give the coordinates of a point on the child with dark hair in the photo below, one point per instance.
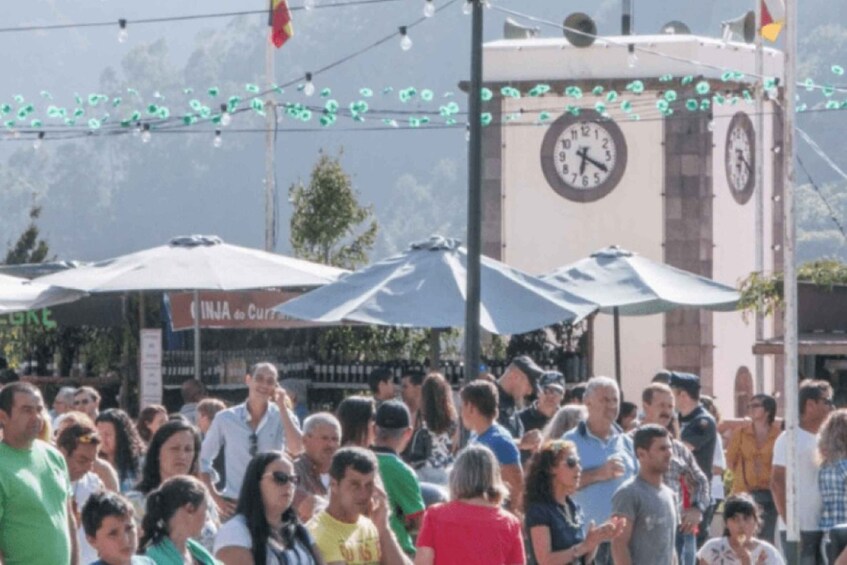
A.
x: 739, y: 544
x: 176, y: 513
x: 110, y: 529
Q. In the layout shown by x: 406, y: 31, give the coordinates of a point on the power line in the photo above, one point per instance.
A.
x: 187, y: 17
x: 832, y: 214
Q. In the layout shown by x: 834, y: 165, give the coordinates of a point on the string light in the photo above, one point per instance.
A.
x: 309, y: 87
x: 37, y: 143
x: 467, y: 7
x: 145, y: 134
x: 405, y: 40
x: 218, y: 141
x: 429, y: 9
x: 632, y: 57
x: 226, y: 117
x: 123, y: 34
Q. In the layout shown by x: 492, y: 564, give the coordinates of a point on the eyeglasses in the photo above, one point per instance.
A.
x: 282, y: 478
x: 254, y: 444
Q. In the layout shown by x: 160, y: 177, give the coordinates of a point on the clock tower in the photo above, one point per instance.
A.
x: 589, y: 147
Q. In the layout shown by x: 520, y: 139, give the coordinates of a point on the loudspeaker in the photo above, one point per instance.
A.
x: 675, y: 27
x: 743, y: 27
x: 514, y: 30
x: 580, y: 30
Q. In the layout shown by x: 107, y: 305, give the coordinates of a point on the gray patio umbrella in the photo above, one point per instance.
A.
x: 194, y: 263
x: 19, y: 295
x: 425, y: 288
x: 624, y: 283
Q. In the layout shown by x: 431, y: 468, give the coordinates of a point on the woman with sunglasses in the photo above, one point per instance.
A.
x: 553, y: 520
x: 265, y: 529
x: 121, y: 445
x: 175, y: 517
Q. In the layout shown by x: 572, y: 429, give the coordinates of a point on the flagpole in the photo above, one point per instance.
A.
x: 270, y: 177
x: 790, y: 272
x: 760, y: 188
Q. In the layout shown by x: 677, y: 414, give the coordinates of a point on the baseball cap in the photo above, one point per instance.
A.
x: 393, y: 415
x: 688, y: 382
x: 552, y: 379
x: 529, y: 368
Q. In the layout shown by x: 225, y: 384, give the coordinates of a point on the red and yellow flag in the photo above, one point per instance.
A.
x: 280, y: 20
x: 773, y: 19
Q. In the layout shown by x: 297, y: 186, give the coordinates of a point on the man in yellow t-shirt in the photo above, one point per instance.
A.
x: 343, y: 532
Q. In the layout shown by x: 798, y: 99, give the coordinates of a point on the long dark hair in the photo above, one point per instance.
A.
x: 539, y: 474
x: 146, y: 417
x: 163, y: 503
x: 251, y: 506
x: 128, y: 444
x: 742, y: 504
x: 355, y: 414
x: 437, y: 406
x: 151, y: 475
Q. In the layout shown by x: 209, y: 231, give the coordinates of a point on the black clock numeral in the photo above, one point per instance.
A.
x: 573, y: 181
x: 584, y: 180
x: 566, y: 143
x: 574, y: 134
x: 586, y: 130
x: 605, y: 143
x: 596, y: 178
x: 608, y: 156
x: 563, y: 156
x: 565, y: 169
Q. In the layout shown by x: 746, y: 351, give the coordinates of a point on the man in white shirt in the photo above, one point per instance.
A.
x: 815, y: 399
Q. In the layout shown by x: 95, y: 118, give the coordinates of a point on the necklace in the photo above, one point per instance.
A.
x: 568, y: 514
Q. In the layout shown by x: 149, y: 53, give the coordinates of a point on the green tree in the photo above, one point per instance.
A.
x: 328, y: 224
x: 29, y: 248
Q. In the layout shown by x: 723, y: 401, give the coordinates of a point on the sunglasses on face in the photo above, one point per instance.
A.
x: 282, y: 478
x: 254, y: 444
x: 572, y: 462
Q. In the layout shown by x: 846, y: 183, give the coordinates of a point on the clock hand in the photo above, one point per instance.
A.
x: 597, y: 164
x: 582, y: 153
x: 740, y: 154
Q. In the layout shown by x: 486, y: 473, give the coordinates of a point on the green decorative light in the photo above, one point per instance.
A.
x: 747, y: 96
x: 52, y: 112
x: 414, y: 123
x: 36, y: 123
x: 189, y: 119
x: 485, y: 94
x: 837, y: 70
x: 738, y: 75
x: 164, y: 112
x: 188, y: 90
x: 574, y: 110
x: 544, y: 116
x: 726, y: 76
x: 77, y: 98
x: 194, y: 104
x: 136, y: 116
x: 634, y: 117
x: 453, y: 108
x: 809, y: 84
x: 366, y: 92
x: 388, y: 90
x: 600, y: 107
x: 686, y: 80
x: 125, y: 123
x: 79, y: 112
x: 427, y: 95
x: 116, y: 101
x: 612, y: 96
x: 424, y: 120
x: 205, y: 112
x: 278, y: 89
x: 486, y: 119
x: 833, y: 105
x: 692, y: 105
x: 801, y: 107
x: 666, y: 78
x: 152, y: 109
x: 10, y: 124
x: 510, y: 92
x: 331, y: 106
x: 703, y: 87
x: 129, y: 90
x: 5, y: 109
x: 46, y: 95
x: 598, y: 90
x: 539, y: 90
x: 233, y: 103
x: 327, y: 120
x: 719, y: 99
x: 20, y: 99
x: 326, y: 92
x: 70, y: 122
x: 305, y: 115
x: 636, y: 87
x: 705, y: 105
x: 94, y: 123
x: 573, y: 92
x: 770, y: 83
x: 828, y: 91
x: 450, y: 121
x: 250, y: 87
x: 670, y: 95
x: 22, y: 114
x: 258, y: 106
x: 213, y: 91
x: 663, y: 105
x: 626, y: 106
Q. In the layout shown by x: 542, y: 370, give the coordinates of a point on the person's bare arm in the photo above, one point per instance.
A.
x: 778, y: 488
x: 107, y: 475
x: 842, y: 558
x: 620, y: 545
x: 392, y: 553
x: 232, y: 555
x: 611, y: 469
x: 425, y: 556
x: 293, y: 435
x: 226, y: 508
x: 72, y: 534
x: 513, y: 477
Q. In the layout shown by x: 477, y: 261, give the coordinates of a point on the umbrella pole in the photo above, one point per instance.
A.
x: 617, y: 324
x: 435, y: 349
x: 197, y: 311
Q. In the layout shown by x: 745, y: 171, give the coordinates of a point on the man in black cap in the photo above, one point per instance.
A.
x: 519, y: 380
x: 698, y: 432
x: 535, y: 417
x: 393, y: 431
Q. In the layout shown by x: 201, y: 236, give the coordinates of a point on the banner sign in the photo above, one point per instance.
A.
x: 150, y: 367
x: 233, y: 310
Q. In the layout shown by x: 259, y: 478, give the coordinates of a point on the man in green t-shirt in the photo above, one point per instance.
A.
x: 393, y: 431
x: 36, y: 519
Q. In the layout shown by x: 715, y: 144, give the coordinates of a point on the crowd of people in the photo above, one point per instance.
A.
x: 505, y: 471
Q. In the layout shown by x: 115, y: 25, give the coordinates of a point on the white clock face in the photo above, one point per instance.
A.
x: 585, y: 155
x: 739, y: 155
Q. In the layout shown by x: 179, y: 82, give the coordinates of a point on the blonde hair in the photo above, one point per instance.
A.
x: 476, y: 473
x: 832, y: 438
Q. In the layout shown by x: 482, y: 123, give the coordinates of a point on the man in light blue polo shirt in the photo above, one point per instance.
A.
x: 261, y: 423
x: 606, y: 454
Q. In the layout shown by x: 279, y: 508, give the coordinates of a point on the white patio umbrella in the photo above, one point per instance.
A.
x: 194, y: 263
x: 425, y: 288
x: 20, y: 295
x: 624, y: 283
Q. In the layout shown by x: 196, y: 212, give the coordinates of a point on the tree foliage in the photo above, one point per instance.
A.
x: 29, y: 248
x: 765, y: 293
x: 328, y: 224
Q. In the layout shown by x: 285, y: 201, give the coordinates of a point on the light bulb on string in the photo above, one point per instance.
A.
x: 632, y: 57
x: 37, y: 143
x: 308, y: 4
x: 405, y: 40
x: 136, y: 131
x: 468, y: 133
x: 467, y: 7
x: 226, y: 117
x: 145, y: 134
x: 123, y: 34
x: 429, y: 8
x: 218, y: 141
x: 309, y: 87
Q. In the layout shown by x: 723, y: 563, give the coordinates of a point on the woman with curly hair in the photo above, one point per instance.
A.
x: 553, y: 520
x: 176, y: 513
x: 832, y: 477
x: 265, y: 529
x: 150, y: 419
x: 442, y: 423
x: 121, y: 445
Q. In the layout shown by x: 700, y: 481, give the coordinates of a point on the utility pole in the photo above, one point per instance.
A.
x: 472, y: 295
x: 270, y: 177
x: 790, y: 273
x: 760, y: 188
